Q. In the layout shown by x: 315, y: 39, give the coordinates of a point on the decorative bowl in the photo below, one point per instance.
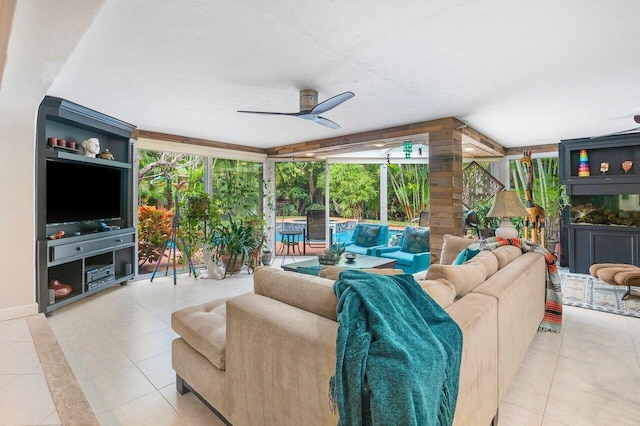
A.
x: 59, y: 289
x: 350, y: 257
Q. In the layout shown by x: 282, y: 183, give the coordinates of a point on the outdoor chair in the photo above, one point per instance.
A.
x: 367, y: 237
x: 315, y: 232
x: 423, y: 220
x: 412, y: 252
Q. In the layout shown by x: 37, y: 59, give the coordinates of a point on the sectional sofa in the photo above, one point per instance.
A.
x: 266, y: 357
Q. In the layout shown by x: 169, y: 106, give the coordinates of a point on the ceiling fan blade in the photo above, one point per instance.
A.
x: 326, y: 122
x: 271, y: 113
x: 332, y: 102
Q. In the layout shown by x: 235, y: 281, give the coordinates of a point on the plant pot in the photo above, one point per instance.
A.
x: 235, y: 267
x: 267, y: 258
x: 328, y: 260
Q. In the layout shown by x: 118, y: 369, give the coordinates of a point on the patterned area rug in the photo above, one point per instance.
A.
x: 587, y: 292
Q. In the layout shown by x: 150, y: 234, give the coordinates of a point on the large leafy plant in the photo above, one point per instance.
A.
x: 154, y: 229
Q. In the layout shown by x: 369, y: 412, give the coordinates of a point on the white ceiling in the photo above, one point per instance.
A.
x: 523, y: 73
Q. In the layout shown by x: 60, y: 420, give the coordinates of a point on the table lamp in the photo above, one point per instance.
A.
x: 507, y: 204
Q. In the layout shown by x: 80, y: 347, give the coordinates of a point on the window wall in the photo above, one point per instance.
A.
x: 187, y: 194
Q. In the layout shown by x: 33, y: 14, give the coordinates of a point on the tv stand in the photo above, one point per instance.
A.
x: 93, y: 254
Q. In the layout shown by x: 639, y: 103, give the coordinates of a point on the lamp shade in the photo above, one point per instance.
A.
x: 507, y: 204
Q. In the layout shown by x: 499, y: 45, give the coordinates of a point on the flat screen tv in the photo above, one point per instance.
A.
x: 83, y: 192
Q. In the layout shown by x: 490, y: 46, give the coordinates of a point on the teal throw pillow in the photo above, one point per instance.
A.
x: 416, y: 240
x: 309, y: 270
x: 464, y: 255
x: 368, y: 236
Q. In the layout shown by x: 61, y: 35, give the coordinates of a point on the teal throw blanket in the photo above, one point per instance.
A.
x: 397, y: 353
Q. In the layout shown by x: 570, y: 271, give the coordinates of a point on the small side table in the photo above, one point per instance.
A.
x: 290, y: 241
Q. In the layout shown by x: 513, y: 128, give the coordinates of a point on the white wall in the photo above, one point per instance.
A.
x: 43, y: 35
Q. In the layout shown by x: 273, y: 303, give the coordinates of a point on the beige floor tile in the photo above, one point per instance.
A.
x: 593, y: 352
x: 530, y: 387
x: 82, y: 339
x: 581, y: 394
x: 148, y: 345
x: 158, y: 370
x: 114, y: 388
x: 19, y: 358
x: 145, y: 322
x: 191, y: 408
x: 5, y: 379
x: 151, y: 410
x: 52, y: 420
x: 590, y: 335
x: 549, y: 422
x: 26, y: 401
x: 95, y: 361
x: 512, y: 415
x: 15, y: 330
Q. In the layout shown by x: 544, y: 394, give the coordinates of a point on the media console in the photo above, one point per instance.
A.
x: 84, y: 205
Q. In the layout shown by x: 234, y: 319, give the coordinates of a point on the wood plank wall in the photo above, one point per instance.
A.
x: 445, y: 187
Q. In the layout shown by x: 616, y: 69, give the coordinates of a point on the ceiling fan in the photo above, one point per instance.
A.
x: 310, y: 109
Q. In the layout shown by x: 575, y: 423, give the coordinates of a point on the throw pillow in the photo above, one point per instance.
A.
x: 368, y: 236
x: 415, y: 240
x: 453, y: 245
x: 464, y: 255
x: 309, y: 270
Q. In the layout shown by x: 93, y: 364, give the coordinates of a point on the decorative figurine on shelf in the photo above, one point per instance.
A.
x: 604, y: 167
x: 91, y: 147
x: 56, y: 236
x: 106, y: 155
x: 583, y: 167
x: 626, y: 165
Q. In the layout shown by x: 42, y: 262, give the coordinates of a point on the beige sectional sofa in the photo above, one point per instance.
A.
x: 266, y: 357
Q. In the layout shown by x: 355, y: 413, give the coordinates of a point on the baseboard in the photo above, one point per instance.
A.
x: 18, y: 312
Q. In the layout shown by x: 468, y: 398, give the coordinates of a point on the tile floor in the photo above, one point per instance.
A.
x: 118, y: 344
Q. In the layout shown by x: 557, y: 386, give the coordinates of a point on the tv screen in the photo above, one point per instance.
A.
x: 82, y: 192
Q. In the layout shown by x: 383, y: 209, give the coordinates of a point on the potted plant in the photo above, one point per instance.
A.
x: 331, y: 256
x: 233, y: 242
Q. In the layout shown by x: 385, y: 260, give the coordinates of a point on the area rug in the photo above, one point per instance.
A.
x: 587, y: 292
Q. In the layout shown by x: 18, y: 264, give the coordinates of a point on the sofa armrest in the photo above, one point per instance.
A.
x: 381, y: 250
x: 279, y: 362
x: 477, y: 317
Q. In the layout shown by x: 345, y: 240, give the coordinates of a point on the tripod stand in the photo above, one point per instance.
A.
x: 172, y: 244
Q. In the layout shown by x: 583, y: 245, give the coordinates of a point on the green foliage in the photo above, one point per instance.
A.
x: 154, y: 229
x: 410, y: 189
x: 237, y: 187
x: 331, y: 255
x: 353, y: 189
x: 237, y: 238
x: 548, y: 192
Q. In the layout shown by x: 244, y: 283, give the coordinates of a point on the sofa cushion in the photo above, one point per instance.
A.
x: 415, y: 240
x: 309, y: 293
x: 368, y: 235
x: 204, y: 328
x: 442, y: 292
x: 332, y: 272
x: 506, y: 255
x: 401, y: 257
x: 452, y: 246
x: 467, y: 276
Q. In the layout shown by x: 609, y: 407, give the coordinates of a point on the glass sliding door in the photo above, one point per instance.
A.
x: 165, y: 180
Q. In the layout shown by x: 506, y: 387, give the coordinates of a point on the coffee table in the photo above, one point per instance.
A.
x: 361, y: 262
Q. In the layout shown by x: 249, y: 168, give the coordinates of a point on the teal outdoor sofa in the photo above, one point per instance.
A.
x: 412, y: 252
x: 367, y: 238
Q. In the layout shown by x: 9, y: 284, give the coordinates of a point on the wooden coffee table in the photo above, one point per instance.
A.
x: 361, y: 262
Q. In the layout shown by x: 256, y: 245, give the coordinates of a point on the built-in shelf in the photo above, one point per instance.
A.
x: 587, y: 243
x: 84, y: 258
